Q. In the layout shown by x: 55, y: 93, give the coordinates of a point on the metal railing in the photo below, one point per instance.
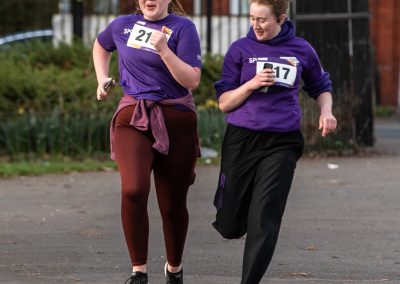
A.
x: 40, y: 34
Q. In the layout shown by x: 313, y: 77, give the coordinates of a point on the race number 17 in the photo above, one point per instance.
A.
x: 285, y: 71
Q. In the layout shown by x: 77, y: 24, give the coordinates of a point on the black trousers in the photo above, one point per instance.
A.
x: 256, y: 174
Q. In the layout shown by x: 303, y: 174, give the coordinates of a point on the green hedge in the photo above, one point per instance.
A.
x: 48, y: 102
x: 48, y: 105
x: 41, y: 78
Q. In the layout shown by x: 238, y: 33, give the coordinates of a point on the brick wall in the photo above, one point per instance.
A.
x: 385, y: 34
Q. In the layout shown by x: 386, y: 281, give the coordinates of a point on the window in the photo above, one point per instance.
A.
x: 197, y: 7
x: 239, y: 7
x: 236, y: 7
x: 106, y: 6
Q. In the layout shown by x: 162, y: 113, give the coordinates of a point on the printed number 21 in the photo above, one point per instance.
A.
x: 142, y: 33
x: 287, y: 70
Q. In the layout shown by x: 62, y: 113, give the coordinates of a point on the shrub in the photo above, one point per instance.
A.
x: 211, y: 72
x: 48, y: 105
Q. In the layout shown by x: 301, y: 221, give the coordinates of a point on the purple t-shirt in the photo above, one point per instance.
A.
x: 293, y: 60
x: 142, y: 72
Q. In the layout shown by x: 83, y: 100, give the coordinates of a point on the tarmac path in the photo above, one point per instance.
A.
x: 341, y: 225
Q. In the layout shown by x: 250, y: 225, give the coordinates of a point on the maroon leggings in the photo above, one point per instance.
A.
x: 173, y: 174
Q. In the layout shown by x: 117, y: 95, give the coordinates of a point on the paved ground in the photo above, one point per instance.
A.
x: 341, y: 225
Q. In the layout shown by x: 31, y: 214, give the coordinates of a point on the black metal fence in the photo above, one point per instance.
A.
x: 26, y: 15
x: 338, y: 30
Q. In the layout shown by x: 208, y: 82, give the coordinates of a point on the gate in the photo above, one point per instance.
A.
x: 339, y: 31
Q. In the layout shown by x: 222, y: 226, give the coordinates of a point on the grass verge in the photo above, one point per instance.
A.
x: 36, y: 168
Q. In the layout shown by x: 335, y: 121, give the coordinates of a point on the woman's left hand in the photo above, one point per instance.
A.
x: 327, y: 122
x: 159, y: 40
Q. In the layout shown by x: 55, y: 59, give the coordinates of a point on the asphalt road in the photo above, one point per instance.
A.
x: 342, y: 225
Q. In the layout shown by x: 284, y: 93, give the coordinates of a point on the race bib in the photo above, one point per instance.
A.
x: 285, y: 73
x: 140, y: 36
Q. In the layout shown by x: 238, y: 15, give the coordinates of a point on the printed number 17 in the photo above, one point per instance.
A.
x: 287, y: 70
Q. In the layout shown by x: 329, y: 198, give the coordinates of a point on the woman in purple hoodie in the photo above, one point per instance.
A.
x: 260, y: 82
x: 155, y: 126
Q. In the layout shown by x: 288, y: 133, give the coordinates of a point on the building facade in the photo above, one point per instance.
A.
x: 385, y: 35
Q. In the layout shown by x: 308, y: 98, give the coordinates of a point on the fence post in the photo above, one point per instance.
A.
x: 364, y: 117
x: 77, y: 18
x: 292, y: 11
x: 209, y: 25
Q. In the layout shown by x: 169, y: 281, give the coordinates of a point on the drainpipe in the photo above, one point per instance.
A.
x: 398, y: 94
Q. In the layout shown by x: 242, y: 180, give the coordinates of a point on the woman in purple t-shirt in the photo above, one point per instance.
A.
x: 155, y: 127
x: 260, y: 82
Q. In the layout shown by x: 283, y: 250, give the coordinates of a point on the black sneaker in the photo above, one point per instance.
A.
x: 137, y: 278
x: 173, y: 278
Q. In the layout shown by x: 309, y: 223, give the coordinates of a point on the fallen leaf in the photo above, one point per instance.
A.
x: 312, y: 248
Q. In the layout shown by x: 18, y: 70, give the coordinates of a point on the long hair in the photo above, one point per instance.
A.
x: 173, y: 7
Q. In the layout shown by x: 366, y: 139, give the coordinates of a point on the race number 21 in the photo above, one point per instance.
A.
x: 140, y: 37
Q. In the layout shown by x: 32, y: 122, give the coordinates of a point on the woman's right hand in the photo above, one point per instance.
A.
x: 230, y: 100
x: 264, y: 78
x: 101, y: 92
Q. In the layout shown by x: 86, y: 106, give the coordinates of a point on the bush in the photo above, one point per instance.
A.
x: 55, y: 134
x: 40, y: 78
x: 48, y: 105
x: 48, y: 102
x: 211, y: 72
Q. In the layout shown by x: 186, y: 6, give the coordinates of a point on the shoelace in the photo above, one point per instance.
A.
x: 134, y: 279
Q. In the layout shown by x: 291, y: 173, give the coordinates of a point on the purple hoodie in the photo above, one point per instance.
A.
x: 293, y: 59
x: 142, y: 72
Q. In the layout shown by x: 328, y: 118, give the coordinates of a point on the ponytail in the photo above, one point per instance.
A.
x: 176, y: 8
